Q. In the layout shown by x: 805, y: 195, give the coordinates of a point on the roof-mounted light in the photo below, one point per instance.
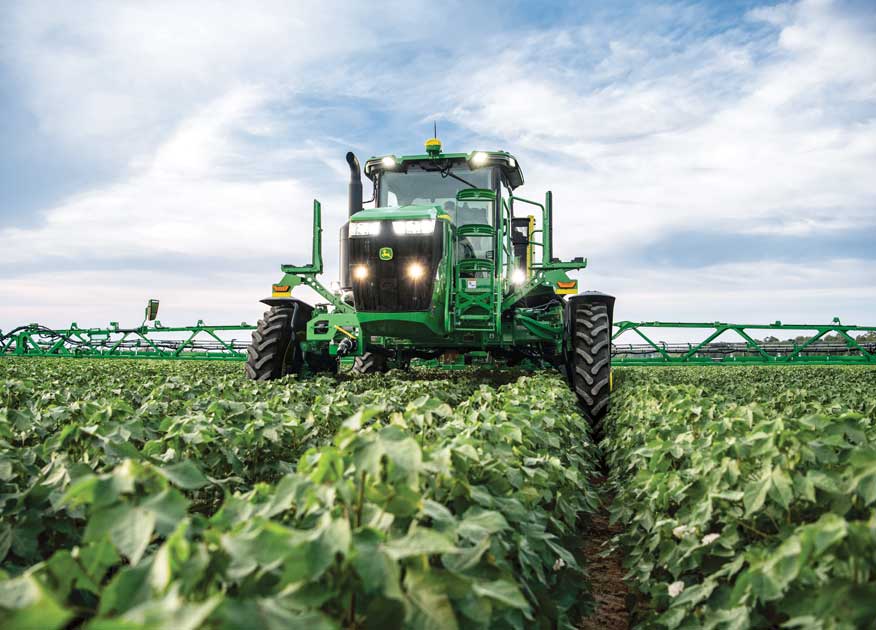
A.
x: 389, y: 162
x: 479, y: 159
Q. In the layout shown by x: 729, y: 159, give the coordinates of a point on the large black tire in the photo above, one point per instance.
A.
x: 370, y: 363
x: 274, y: 351
x: 591, y: 359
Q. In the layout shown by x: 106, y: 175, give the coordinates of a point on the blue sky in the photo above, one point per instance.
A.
x: 712, y: 160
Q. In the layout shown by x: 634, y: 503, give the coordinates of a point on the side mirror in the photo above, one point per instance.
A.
x: 151, y: 310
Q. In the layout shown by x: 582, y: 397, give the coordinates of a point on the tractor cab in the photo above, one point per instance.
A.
x: 431, y: 212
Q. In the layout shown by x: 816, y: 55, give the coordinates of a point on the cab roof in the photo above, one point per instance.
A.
x: 475, y: 159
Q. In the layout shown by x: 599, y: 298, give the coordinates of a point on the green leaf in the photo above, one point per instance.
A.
x: 403, y: 453
x: 185, y: 474
x: 755, y: 494
x: 504, y: 591
x: 132, y: 532
x: 67, y: 572
x: 311, y: 554
x: 478, y: 523
x: 169, y: 507
x: 25, y: 605
x: 781, y: 487
x: 825, y: 532
x: 271, y: 615
x: 431, y: 607
x: 420, y: 541
x: 442, y: 518
x: 171, y: 611
x: 5, y: 540
x: 378, y: 571
x: 97, y: 557
x: 467, y: 558
x: 128, y: 588
x: 823, y: 481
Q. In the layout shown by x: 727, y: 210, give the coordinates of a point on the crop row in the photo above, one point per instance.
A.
x: 747, y: 496
x: 140, y: 496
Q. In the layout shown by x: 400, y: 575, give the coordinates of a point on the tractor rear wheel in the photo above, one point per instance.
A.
x: 369, y: 363
x: 591, y: 359
x: 274, y: 351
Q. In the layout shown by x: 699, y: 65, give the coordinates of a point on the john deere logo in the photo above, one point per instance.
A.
x: 385, y: 253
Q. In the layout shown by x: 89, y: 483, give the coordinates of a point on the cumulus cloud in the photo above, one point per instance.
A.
x: 227, y: 120
x: 182, y: 202
x: 747, y: 129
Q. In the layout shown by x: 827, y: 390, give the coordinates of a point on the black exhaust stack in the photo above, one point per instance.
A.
x: 355, y: 189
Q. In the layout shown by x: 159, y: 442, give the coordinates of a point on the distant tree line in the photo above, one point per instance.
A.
x: 869, y: 337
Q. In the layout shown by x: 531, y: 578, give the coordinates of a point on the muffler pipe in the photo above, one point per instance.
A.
x: 354, y: 192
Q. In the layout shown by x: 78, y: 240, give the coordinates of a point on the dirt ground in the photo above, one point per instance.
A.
x: 606, y: 576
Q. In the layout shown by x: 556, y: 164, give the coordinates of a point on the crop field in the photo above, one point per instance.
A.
x: 139, y: 494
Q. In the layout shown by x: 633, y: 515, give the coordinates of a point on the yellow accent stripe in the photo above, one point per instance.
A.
x: 446, y: 217
x: 346, y: 332
x: 566, y: 291
x: 281, y: 294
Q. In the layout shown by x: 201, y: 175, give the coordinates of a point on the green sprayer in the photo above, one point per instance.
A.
x: 448, y: 268
x: 444, y: 264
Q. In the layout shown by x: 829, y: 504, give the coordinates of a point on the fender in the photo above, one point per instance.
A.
x: 303, y: 310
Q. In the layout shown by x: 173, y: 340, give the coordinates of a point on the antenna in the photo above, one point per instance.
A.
x: 435, y: 129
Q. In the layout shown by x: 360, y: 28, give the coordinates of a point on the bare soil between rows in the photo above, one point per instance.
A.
x: 605, y: 572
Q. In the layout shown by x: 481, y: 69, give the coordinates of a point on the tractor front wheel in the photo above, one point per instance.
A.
x: 274, y: 351
x: 591, y: 359
x: 370, y: 363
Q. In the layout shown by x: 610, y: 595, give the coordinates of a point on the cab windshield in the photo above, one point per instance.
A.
x: 434, y: 188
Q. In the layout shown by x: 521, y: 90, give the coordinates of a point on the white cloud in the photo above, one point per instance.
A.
x: 739, y: 127
x: 92, y: 298
x: 180, y: 203
x: 106, y: 73
x: 748, y: 293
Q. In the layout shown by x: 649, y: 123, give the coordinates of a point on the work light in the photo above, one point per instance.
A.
x: 364, y: 228
x: 518, y: 277
x: 407, y: 228
x: 360, y: 272
x: 388, y: 162
x: 479, y: 159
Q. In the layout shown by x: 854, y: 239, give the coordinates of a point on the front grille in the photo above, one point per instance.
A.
x: 388, y: 286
